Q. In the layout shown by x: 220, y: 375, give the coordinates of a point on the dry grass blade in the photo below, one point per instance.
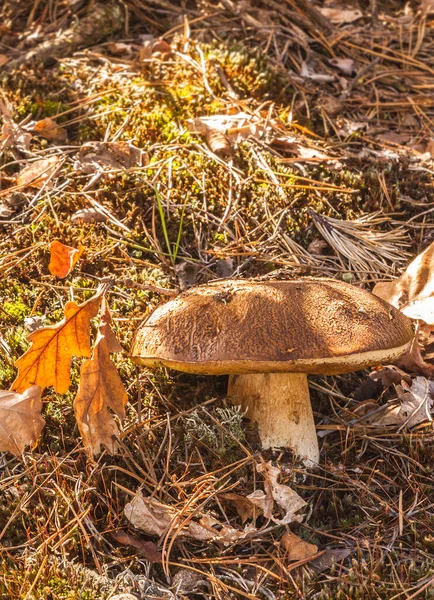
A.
x: 363, y: 249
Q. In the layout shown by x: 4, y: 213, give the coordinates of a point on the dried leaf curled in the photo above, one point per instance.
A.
x: 283, y: 495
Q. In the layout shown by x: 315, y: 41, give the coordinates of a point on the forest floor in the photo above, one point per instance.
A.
x: 325, y: 169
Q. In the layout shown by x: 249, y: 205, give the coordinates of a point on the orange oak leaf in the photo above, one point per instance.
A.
x: 48, y: 360
x: 100, y: 388
x: 20, y: 419
x: 63, y: 258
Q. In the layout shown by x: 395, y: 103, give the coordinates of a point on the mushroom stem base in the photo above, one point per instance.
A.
x: 280, y: 405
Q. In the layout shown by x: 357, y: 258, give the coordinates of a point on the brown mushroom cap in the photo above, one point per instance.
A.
x: 247, y: 326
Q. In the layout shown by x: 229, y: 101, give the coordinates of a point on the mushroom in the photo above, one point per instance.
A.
x: 268, y: 336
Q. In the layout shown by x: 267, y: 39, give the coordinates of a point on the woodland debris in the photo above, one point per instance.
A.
x: 413, y: 291
x: 106, y: 156
x: 155, y: 518
x: 101, y: 21
x: 339, y: 15
x: 362, y: 246
x: 20, y: 419
x: 296, y: 548
x: 328, y: 558
x: 63, y: 258
x: 48, y: 360
x: 414, y: 407
x: 243, y: 505
x: 50, y: 130
x: 146, y: 549
x: 89, y: 215
x: 37, y: 173
x: 100, y: 388
x: 286, y: 499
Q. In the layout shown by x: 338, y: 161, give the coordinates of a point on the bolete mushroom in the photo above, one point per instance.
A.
x: 268, y: 336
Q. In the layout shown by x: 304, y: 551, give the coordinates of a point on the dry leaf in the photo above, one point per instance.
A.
x: 346, y: 65
x: 283, y: 495
x: 218, y: 142
x: 340, y: 16
x: 328, y: 559
x: 3, y: 59
x: 38, y: 172
x: 155, y: 518
x: 20, y: 419
x: 416, y: 403
x: 244, y: 507
x: 63, y: 258
x: 89, y: 215
x: 50, y: 130
x: 308, y: 72
x: 100, y: 388
x: 48, y: 360
x: 414, y: 362
x: 413, y: 292
x: 12, y: 135
x: 154, y: 49
x: 109, y: 156
x: 147, y: 549
x: 296, y: 548
x: 236, y: 127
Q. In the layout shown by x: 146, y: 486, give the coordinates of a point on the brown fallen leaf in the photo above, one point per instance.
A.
x: 63, y: 258
x: 339, y: 15
x: 154, y: 48
x: 296, y: 548
x: 50, y: 130
x: 415, y: 405
x: 109, y: 156
x: 38, y: 172
x: 235, y: 128
x: 346, y: 65
x: 147, y: 549
x: 283, y: 495
x: 3, y: 59
x: 244, y: 507
x: 155, y: 518
x: 328, y: 559
x: 20, y: 419
x: 100, y: 388
x: 413, y: 291
x: 48, y: 360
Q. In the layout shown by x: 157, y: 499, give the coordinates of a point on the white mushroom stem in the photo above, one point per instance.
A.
x: 280, y: 405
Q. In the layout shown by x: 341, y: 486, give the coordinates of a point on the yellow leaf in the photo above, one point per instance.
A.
x: 63, y: 258
x: 20, y: 419
x: 48, y: 360
x: 100, y: 388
